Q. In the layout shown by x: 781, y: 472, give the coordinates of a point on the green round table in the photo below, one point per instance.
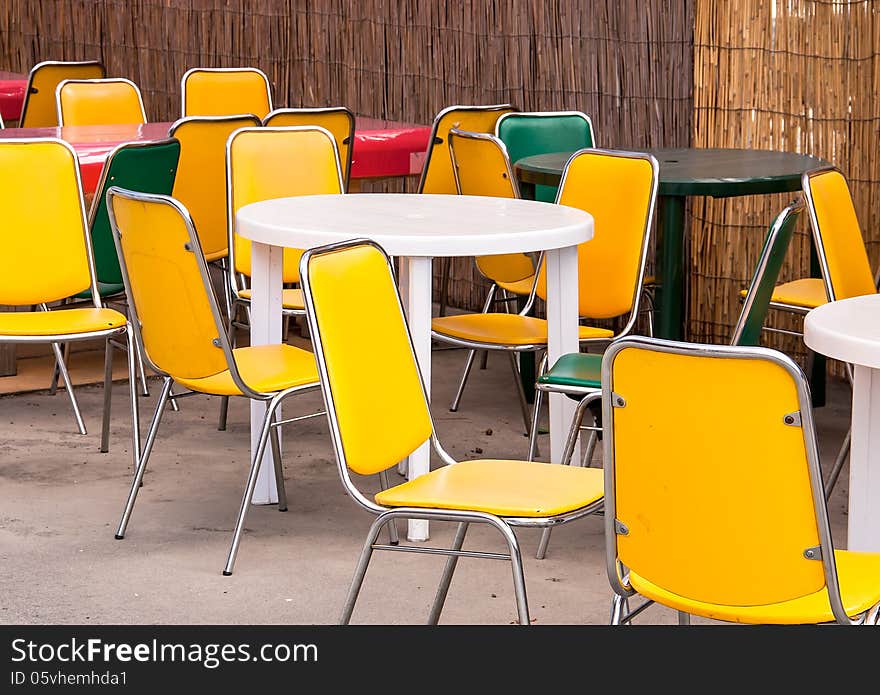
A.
x: 720, y: 173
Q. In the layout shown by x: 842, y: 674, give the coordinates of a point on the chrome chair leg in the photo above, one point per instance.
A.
x: 251, y: 484
x: 393, y: 534
x: 617, y: 604
x: 446, y: 579
x: 142, y: 374
x: 524, y: 406
x: 108, y: 395
x: 519, y: 580
x: 839, y: 462
x: 279, y: 470
x: 536, y: 411
x: 65, y: 376
x: 133, y: 399
x: 453, y: 407
x: 361, y: 569
x: 143, y: 458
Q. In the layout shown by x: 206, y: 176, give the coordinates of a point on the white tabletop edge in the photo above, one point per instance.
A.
x: 846, y: 330
x: 410, y: 224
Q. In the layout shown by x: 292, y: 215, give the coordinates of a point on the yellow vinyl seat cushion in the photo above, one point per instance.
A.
x: 265, y: 368
x: 859, y: 591
x: 806, y: 292
x: 216, y: 255
x: 290, y: 299
x: 60, y: 322
x: 505, y: 329
x: 523, y: 287
x: 503, y: 488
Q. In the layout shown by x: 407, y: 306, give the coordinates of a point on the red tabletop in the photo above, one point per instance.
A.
x: 12, y: 88
x: 381, y: 148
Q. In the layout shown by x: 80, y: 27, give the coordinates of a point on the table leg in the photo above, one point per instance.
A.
x: 670, y: 295
x: 863, y: 530
x: 562, y: 338
x: 265, y: 330
x: 816, y: 362
x: 415, y: 285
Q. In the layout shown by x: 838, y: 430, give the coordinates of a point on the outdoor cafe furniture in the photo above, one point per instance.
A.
x: 719, y: 173
x: 338, y: 120
x: 380, y: 414
x: 437, y: 174
x: 416, y: 228
x: 579, y: 375
x: 225, y: 92
x: 730, y: 522
x: 183, y: 337
x: 105, y: 101
x: 48, y: 257
x: 37, y: 107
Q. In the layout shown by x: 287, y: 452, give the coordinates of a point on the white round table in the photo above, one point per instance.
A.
x: 416, y: 228
x: 849, y: 330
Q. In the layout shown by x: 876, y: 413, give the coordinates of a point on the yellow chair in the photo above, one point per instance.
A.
x: 481, y: 167
x: 437, y: 172
x: 39, y: 109
x: 201, y: 182
x: 846, y: 271
x: 725, y: 519
x: 225, y: 92
x: 264, y: 163
x: 619, y: 189
x: 47, y: 257
x: 105, y: 101
x: 338, y: 120
x: 183, y: 337
x: 379, y: 414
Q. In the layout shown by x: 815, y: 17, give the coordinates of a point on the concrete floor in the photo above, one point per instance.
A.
x: 60, y: 501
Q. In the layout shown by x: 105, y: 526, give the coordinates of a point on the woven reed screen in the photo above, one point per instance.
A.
x: 627, y: 63
x: 798, y: 75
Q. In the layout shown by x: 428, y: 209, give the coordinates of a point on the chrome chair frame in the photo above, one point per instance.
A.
x: 268, y: 429
x: 56, y: 340
x: 528, y: 419
x: 96, y: 80
x: 189, y: 72
x: 618, y: 574
x: 387, y: 515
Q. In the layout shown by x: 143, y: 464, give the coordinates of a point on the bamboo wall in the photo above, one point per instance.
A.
x: 627, y: 63
x: 797, y: 75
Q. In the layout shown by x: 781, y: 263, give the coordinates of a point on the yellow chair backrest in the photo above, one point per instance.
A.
x: 481, y: 166
x: 372, y: 388
x: 437, y: 176
x: 338, y: 120
x: 200, y: 183
x: 46, y: 254
x: 39, y: 109
x: 265, y: 163
x: 99, y: 102
x: 837, y: 234
x: 170, y: 302
x: 619, y: 189
x: 708, y: 484
x: 225, y: 92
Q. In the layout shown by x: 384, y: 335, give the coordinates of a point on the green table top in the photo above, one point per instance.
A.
x: 697, y: 171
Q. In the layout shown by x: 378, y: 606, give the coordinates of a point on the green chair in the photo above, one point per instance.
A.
x: 578, y: 375
x: 526, y: 133
x: 146, y: 167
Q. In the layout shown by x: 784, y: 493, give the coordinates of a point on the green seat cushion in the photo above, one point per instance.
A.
x: 579, y: 369
x: 105, y: 289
